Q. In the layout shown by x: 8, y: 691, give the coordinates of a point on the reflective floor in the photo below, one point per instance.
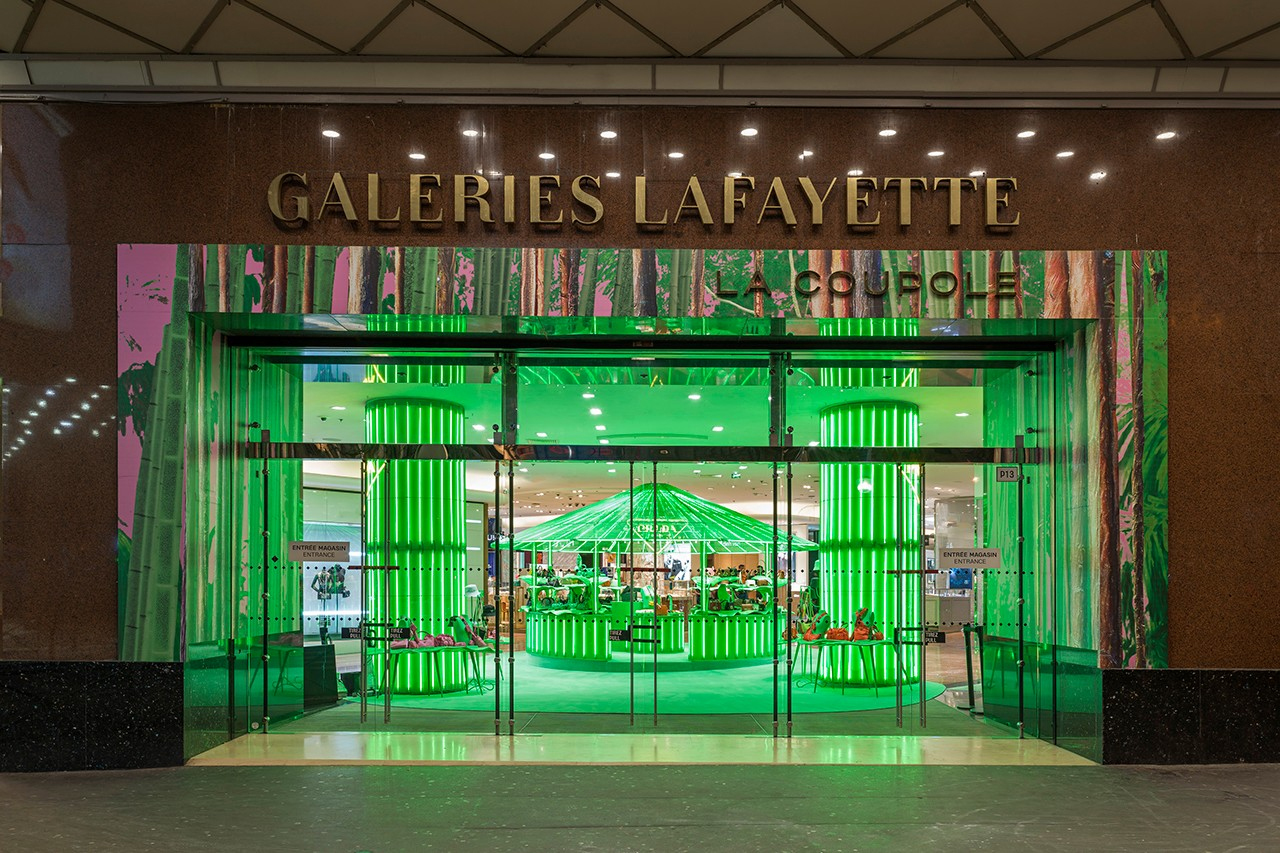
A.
x: 651, y: 748
x: 644, y: 808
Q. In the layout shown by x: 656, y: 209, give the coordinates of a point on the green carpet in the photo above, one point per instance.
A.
x: 741, y: 690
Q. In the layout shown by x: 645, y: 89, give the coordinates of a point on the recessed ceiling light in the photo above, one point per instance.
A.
x: 888, y: 131
x: 977, y: 173
x: 331, y: 134
x: 735, y: 174
x: 855, y: 172
x: 608, y: 134
x: 695, y: 396
x: 962, y: 414
x: 599, y: 427
x: 748, y: 131
x: 1065, y: 154
x: 587, y: 395
x: 805, y: 153
x: 541, y: 434
x: 471, y: 132
x: 1097, y: 176
x: 717, y: 429
x: 613, y: 174
x: 547, y: 155
x: 417, y: 155
x: 597, y: 411
x: 675, y: 155
x: 1026, y: 134
x: 478, y: 427
x: 936, y: 153
x: 1166, y: 134
x: 338, y: 408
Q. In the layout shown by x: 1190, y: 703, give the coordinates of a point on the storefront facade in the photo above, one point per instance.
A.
x: 528, y: 254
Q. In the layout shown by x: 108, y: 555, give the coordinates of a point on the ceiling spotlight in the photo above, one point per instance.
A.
x: 805, y: 153
x: 1062, y: 155
x: 613, y: 174
x: 978, y: 173
x: 888, y: 131
x: 675, y: 155
x: 608, y: 134
x: 717, y: 429
x: 547, y: 155
x: 597, y: 411
x: 695, y: 396
x: 735, y: 174
x: 587, y: 395
x: 855, y: 172
x: 338, y: 408
x: 331, y: 134
x: 748, y: 131
x: 1026, y: 134
x: 471, y: 132
x: 417, y: 155
x: 1097, y: 176
x: 936, y: 153
x: 1166, y: 134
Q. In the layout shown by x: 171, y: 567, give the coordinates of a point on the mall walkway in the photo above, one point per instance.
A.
x: 645, y: 808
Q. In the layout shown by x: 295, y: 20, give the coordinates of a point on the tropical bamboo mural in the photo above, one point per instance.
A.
x: 1110, y: 442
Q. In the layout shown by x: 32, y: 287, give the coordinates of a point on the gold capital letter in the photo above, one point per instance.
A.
x: 816, y: 201
x: 780, y: 203
x: 642, y: 206
x: 375, y: 203
x: 699, y: 203
x: 995, y: 201
x: 856, y: 201
x: 275, y: 199
x: 337, y: 196
x: 420, y: 198
x: 586, y: 199
x: 904, y: 196
x: 954, y: 187
x: 538, y: 200
x: 461, y: 197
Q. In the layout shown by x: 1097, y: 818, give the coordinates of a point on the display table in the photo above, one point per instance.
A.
x: 567, y: 634
x: 839, y: 662
x: 733, y: 634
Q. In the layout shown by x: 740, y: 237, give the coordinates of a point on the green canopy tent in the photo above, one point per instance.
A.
x: 627, y: 522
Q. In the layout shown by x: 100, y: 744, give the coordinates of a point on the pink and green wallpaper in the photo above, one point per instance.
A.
x: 1112, y: 400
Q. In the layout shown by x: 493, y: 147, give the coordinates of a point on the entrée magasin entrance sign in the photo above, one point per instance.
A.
x: 429, y: 200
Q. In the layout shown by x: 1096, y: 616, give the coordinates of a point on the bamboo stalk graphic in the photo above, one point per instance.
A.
x: 444, y: 280
x: 308, y: 279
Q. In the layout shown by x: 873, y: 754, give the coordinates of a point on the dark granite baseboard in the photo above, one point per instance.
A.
x: 89, y: 715
x: 1190, y: 716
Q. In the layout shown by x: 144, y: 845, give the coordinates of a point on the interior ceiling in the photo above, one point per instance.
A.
x: 1080, y: 30
x: 951, y: 416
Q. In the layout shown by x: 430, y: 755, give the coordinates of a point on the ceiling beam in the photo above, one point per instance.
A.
x: 738, y: 26
x: 113, y: 25
x: 914, y: 27
x: 21, y: 43
x: 1133, y: 7
x: 977, y: 9
x: 248, y: 4
x: 1242, y: 40
x: 1169, y: 25
x: 555, y: 31
x: 818, y: 28
x: 613, y: 7
x: 466, y: 27
x: 214, y: 12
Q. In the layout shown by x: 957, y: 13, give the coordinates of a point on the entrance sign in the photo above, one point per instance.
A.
x: 1007, y: 474
x: 319, y: 552
x: 969, y: 558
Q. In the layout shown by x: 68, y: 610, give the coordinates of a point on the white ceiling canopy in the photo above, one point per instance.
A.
x: 663, y: 33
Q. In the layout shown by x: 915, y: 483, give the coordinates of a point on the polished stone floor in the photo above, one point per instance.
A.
x: 645, y: 808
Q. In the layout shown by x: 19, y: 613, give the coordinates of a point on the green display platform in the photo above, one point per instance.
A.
x: 741, y: 690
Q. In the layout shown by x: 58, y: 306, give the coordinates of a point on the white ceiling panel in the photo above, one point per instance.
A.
x: 1208, y: 26
x: 417, y: 31
x: 514, y: 24
x: 600, y: 32
x: 339, y: 23
x: 241, y: 30
x: 778, y: 32
x: 959, y: 34
x: 61, y: 30
x: 168, y: 22
x: 861, y: 25
x: 13, y: 16
x: 1035, y: 26
x: 1263, y: 47
x: 686, y: 26
x: 1138, y: 35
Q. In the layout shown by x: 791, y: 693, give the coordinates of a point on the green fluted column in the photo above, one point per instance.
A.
x: 417, y: 522
x: 866, y: 510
